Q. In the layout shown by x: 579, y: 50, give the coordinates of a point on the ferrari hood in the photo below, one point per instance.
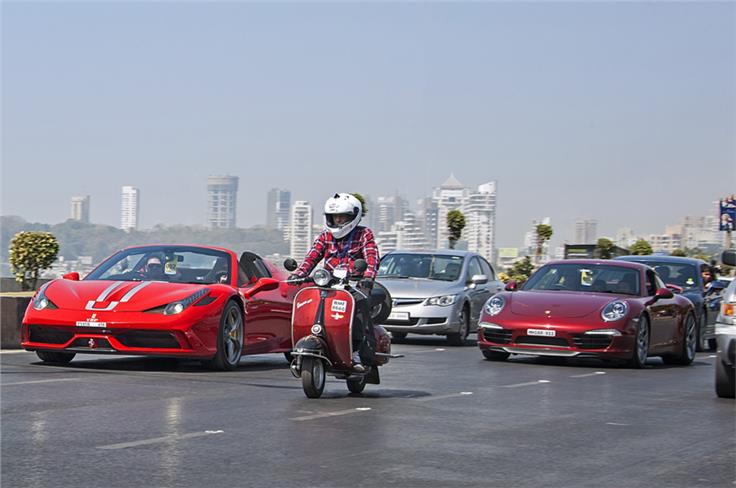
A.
x: 118, y: 296
x: 558, y: 304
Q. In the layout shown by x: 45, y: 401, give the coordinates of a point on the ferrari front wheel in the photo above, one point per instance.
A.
x: 229, y: 339
x: 55, y: 357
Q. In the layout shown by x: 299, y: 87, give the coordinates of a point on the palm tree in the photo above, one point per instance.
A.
x: 544, y: 233
x: 455, y: 226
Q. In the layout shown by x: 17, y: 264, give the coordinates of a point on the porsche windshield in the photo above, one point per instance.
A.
x: 428, y: 266
x: 585, y: 277
x: 173, y: 264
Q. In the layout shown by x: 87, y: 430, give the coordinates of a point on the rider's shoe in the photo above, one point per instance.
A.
x: 357, y: 366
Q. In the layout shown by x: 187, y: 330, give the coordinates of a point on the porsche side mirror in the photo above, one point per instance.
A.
x: 71, y: 276
x: 263, y: 284
x: 675, y: 288
x: 290, y: 264
x: 663, y: 293
x: 729, y: 257
x: 511, y: 286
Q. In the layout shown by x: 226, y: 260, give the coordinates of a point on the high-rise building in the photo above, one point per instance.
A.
x: 586, y: 231
x: 387, y: 211
x: 480, y: 220
x: 427, y: 219
x: 451, y: 195
x: 222, y: 197
x: 625, y: 237
x: 80, y: 209
x: 278, y: 207
x: 129, y: 208
x: 405, y: 234
x: 530, y: 240
x: 300, y: 229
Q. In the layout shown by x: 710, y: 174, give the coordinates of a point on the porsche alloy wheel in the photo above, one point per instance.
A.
x: 55, y: 357
x: 229, y: 339
x: 689, y: 344
x: 641, y: 344
x: 313, y: 376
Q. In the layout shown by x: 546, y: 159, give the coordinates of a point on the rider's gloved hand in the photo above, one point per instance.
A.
x: 294, y: 277
x: 366, y: 284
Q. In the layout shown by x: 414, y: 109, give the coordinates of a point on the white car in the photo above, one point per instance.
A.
x: 726, y: 337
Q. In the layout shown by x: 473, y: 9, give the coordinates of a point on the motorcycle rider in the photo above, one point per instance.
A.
x: 340, y: 244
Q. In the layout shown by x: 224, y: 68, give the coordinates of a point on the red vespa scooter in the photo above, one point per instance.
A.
x: 321, y: 333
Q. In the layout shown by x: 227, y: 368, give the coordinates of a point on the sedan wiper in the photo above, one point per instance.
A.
x: 402, y: 277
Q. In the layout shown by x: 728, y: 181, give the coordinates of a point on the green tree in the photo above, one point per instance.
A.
x: 604, y: 248
x: 30, y: 253
x: 679, y: 253
x: 361, y: 198
x: 641, y: 248
x: 521, y: 270
x: 543, y: 234
x: 455, y: 226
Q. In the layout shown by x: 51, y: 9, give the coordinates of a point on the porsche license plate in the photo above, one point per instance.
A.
x: 91, y: 324
x: 540, y: 332
x: 399, y: 316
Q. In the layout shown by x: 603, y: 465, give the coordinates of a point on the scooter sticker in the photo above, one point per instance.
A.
x: 339, y: 305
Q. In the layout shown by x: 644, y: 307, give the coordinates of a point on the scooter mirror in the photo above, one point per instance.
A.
x: 360, y: 265
x: 290, y: 264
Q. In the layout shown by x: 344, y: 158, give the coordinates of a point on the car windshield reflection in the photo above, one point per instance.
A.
x: 440, y: 267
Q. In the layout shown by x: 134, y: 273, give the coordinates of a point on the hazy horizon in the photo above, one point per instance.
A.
x: 621, y: 112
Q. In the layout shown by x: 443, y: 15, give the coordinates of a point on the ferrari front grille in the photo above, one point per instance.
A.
x: 150, y: 339
x: 48, y: 335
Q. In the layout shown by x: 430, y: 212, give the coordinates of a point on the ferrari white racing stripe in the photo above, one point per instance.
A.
x: 135, y: 290
x: 108, y: 290
x: 156, y: 440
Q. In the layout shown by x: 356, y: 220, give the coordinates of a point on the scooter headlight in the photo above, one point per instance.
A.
x: 322, y: 277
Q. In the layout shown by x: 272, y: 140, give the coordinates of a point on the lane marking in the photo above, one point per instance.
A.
x: 40, y: 381
x: 157, y: 440
x: 712, y: 356
x: 442, y: 397
x: 616, y: 423
x: 586, y: 375
x: 529, y: 383
x: 14, y: 351
x: 438, y: 349
x: 330, y: 414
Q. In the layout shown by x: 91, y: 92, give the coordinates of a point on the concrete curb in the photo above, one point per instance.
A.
x: 11, y: 316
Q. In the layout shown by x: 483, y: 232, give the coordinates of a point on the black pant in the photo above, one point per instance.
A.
x: 364, y: 340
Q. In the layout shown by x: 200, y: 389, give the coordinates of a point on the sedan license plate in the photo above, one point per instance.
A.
x: 540, y: 332
x: 92, y: 324
x: 399, y: 316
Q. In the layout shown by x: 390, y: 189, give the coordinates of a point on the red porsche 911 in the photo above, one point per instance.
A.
x: 164, y: 300
x: 587, y: 308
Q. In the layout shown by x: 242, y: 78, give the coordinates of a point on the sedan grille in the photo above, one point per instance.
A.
x: 589, y: 341
x: 411, y: 321
x: 397, y: 302
x: 542, y: 341
x: 499, y: 336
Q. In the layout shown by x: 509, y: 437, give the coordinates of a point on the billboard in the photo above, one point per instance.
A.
x: 727, y: 217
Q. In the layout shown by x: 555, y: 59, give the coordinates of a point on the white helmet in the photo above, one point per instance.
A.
x: 342, y: 203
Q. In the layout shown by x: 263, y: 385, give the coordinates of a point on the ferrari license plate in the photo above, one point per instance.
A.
x: 540, y: 332
x: 91, y: 324
x: 399, y: 316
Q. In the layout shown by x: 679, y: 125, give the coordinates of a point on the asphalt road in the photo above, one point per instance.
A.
x: 442, y: 417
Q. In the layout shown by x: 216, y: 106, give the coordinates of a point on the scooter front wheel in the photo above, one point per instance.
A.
x: 313, y: 376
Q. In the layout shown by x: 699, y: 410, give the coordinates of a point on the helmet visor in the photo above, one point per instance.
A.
x: 338, y: 220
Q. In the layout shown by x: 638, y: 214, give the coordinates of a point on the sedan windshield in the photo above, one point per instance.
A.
x: 682, y: 275
x: 173, y: 264
x: 585, y: 277
x: 427, y: 266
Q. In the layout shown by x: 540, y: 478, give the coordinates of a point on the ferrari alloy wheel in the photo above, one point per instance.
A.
x: 229, y: 339
x: 725, y: 380
x: 641, y: 344
x: 458, y: 338
x: 356, y: 385
x: 495, y: 355
x: 55, y: 357
x: 313, y: 376
x: 700, y: 336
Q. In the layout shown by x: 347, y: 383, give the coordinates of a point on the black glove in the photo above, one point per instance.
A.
x: 366, y: 284
x: 294, y: 277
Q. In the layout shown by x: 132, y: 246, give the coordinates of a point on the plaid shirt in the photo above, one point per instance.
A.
x: 336, y: 253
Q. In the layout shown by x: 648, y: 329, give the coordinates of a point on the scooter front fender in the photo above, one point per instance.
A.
x: 312, y: 346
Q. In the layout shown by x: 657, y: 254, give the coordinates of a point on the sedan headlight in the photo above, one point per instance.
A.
x: 41, y: 302
x: 322, y: 277
x: 179, y: 306
x: 614, y: 311
x: 442, y: 301
x: 494, y: 305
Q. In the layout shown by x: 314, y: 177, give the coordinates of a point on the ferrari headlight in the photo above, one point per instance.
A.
x: 442, y: 301
x: 614, y: 311
x: 179, y: 306
x: 322, y: 277
x: 41, y: 302
x: 494, y: 305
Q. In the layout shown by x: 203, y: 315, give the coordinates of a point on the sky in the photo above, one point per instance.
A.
x: 620, y: 111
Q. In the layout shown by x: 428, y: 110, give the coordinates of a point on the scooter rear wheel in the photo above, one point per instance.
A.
x: 313, y: 377
x: 356, y: 385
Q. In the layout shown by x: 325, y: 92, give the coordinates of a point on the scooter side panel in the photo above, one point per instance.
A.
x: 339, y: 307
x: 304, y: 313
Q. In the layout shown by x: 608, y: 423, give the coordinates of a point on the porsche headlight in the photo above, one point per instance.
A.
x: 179, y: 306
x: 614, y: 311
x: 494, y: 305
x: 322, y: 277
x: 442, y: 301
x: 41, y: 302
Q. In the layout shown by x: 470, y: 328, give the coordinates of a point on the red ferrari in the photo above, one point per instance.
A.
x: 164, y: 300
x: 587, y: 308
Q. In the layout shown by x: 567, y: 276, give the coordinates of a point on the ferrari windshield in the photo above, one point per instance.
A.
x: 585, y: 277
x: 173, y: 264
x: 428, y: 266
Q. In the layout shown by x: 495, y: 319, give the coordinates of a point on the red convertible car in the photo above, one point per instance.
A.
x: 164, y: 300
x: 587, y: 308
